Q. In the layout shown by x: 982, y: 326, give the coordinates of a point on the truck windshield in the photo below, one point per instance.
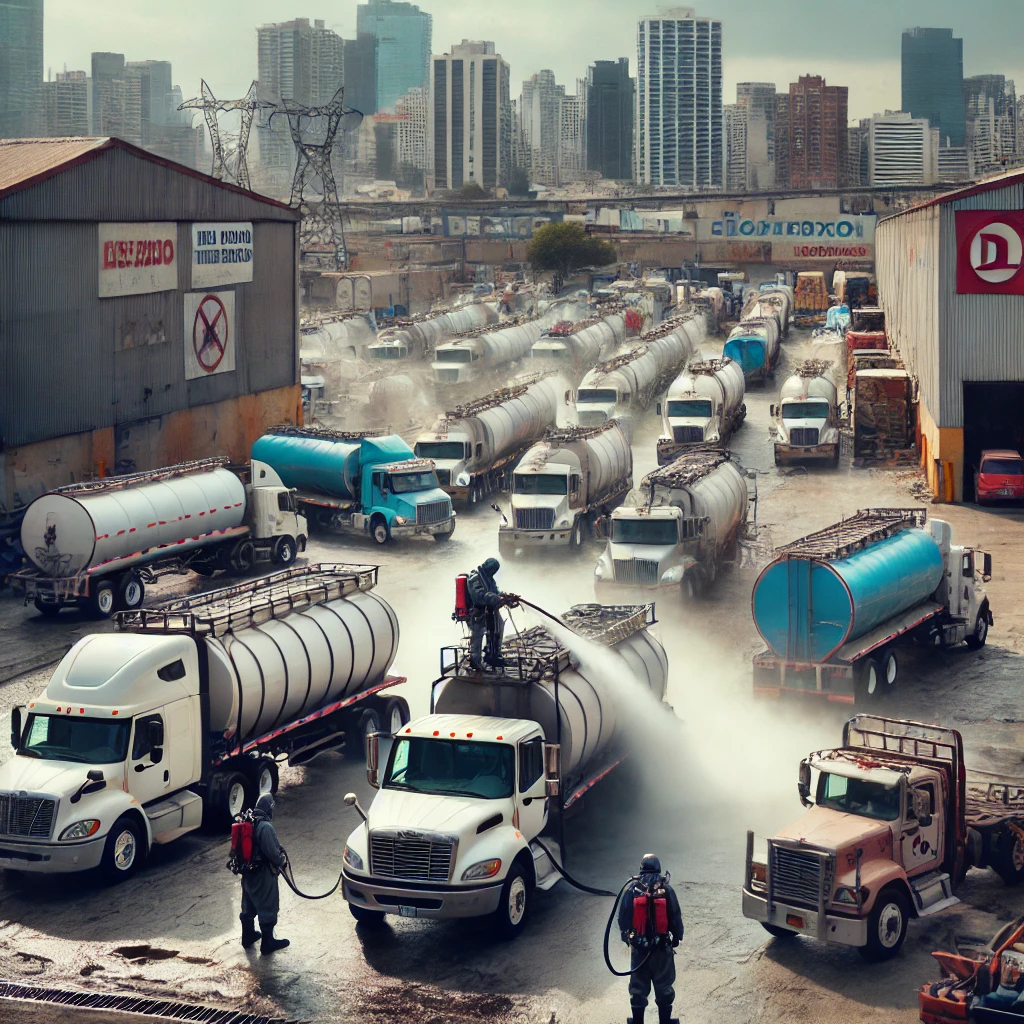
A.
x: 859, y: 796
x: 540, y: 483
x: 454, y: 355
x: 439, y: 450
x: 387, y: 352
x: 643, y: 531
x: 88, y: 740
x: 805, y: 411
x: 1003, y: 467
x: 404, y: 483
x: 596, y: 395
x: 485, y: 770
x: 701, y: 408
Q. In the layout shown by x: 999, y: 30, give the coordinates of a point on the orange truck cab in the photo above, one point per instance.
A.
x: 891, y: 827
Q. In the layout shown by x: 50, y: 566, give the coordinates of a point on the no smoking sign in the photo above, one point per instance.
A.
x: 209, y: 333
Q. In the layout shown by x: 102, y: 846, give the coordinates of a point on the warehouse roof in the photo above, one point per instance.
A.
x: 26, y: 162
x: 993, y: 184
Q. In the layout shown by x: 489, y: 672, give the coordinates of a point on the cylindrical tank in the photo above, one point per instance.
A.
x: 720, y: 379
x: 393, y: 399
x: 754, y: 344
x: 511, y: 423
x: 268, y: 675
x: 74, y: 528
x: 321, y: 465
x: 808, y: 607
x: 334, y: 340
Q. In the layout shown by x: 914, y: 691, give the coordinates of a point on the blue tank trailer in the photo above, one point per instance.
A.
x: 835, y: 606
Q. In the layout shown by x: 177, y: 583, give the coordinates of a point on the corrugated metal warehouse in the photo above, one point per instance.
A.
x: 148, y: 314
x: 951, y: 279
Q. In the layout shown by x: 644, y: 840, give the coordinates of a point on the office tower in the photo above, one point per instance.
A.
x: 902, y: 150
x: 539, y: 110
x: 735, y: 147
x: 67, y: 104
x: 412, y: 129
x: 759, y: 99
x: 679, y: 101
x: 933, y: 80
x: 817, y: 134
x: 403, y: 34
x: 21, y: 70
x: 782, y: 140
x: 116, y: 98
x: 572, y: 118
x: 154, y: 77
x: 360, y: 62
x: 470, y: 117
x: 609, y: 119
x: 990, y: 103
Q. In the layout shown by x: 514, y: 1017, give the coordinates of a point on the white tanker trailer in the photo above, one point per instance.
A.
x: 581, y: 345
x: 777, y: 300
x: 624, y: 387
x: 97, y: 544
x: 806, y: 421
x: 563, y: 484
x: 415, y: 337
x: 704, y: 405
x: 185, y: 712
x: 475, y: 446
x: 464, y: 792
x: 466, y: 357
x: 327, y: 339
x: 678, y: 526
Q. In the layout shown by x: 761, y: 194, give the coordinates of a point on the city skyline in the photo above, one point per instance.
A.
x: 785, y: 48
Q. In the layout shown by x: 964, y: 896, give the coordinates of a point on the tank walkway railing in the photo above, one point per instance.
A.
x: 146, y: 476
x: 689, y: 467
x: 495, y: 398
x: 322, y: 433
x: 867, y: 526
x: 243, y: 605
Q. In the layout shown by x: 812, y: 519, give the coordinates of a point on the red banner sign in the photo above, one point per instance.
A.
x: 990, y: 252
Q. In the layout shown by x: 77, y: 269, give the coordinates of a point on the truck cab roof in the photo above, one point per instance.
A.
x: 473, y: 727
x: 646, y: 512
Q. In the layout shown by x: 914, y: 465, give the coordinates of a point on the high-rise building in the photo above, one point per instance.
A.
x: 953, y: 163
x: 470, y: 117
x: 572, y: 117
x: 902, y: 150
x: 67, y: 103
x: 679, y: 129
x: 540, y: 106
x: 404, y: 37
x: 360, y: 63
x: 21, y: 70
x: 990, y: 103
x: 412, y: 129
x: 759, y: 99
x: 155, y: 86
x: 116, y: 98
x: 735, y: 147
x: 933, y: 80
x: 609, y: 119
x: 818, y: 139
x: 858, y: 166
x: 782, y: 140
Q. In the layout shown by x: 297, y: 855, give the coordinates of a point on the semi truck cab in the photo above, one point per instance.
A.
x: 456, y: 361
x: 545, y: 503
x: 595, y: 406
x: 652, y: 546
x: 805, y: 428
x: 451, y: 458
x: 408, y: 498
x: 692, y: 420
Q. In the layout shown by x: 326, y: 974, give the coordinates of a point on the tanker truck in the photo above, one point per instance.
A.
x: 806, y: 420
x: 467, y: 356
x: 580, y: 345
x: 97, y: 545
x: 563, y: 485
x: 415, y: 337
x: 475, y: 446
x: 359, y: 482
x: 330, y: 339
x: 835, y: 606
x: 464, y: 792
x: 704, y: 405
x: 772, y: 301
x: 754, y: 344
x: 624, y: 387
x: 184, y: 714
x: 678, y: 527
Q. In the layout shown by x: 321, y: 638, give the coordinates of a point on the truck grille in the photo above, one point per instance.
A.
x: 444, y: 477
x: 408, y: 855
x: 642, y: 571
x: 535, y: 518
x: 433, y: 512
x: 28, y: 816
x: 804, y: 436
x: 795, y: 876
x: 688, y: 435
x: 590, y: 417
x: 447, y: 376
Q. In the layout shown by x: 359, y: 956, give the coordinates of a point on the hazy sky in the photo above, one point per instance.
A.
x: 854, y: 43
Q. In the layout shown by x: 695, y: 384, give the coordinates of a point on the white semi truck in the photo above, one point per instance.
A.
x: 415, y: 337
x: 563, y: 484
x: 97, y: 545
x: 704, y: 405
x: 464, y: 792
x: 576, y: 347
x: 182, y: 715
x: 466, y: 356
x: 678, y: 526
x: 806, y: 421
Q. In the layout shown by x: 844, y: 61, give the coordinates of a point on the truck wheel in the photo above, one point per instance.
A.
x: 370, y: 918
x: 285, y: 550
x: 131, y: 592
x: 514, y: 906
x: 777, y: 932
x: 379, y: 530
x: 887, y: 926
x: 443, y: 538
x: 263, y: 777
x: 890, y: 671
x: 1009, y: 858
x: 577, y: 534
x: 396, y: 714
x: 123, y: 850
x: 692, y: 587
x: 243, y: 556
x: 355, y: 740
x: 234, y: 797
x: 50, y: 609
x: 102, y: 602
x: 980, y: 634
x: 869, y: 681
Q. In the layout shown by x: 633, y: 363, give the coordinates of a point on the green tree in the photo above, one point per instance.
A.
x: 472, y: 190
x: 567, y: 247
x: 518, y: 182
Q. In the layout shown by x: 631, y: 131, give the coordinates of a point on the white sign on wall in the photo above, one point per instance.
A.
x: 221, y: 254
x: 210, y: 333
x: 137, y: 258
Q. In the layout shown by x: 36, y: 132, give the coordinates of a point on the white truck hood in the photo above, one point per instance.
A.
x: 453, y: 815
x: 55, y: 778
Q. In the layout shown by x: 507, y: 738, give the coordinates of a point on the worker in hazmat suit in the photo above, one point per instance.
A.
x: 651, y: 924
x: 260, y: 897
x: 485, y: 604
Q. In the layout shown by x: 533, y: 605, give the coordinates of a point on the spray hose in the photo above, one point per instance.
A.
x: 289, y: 877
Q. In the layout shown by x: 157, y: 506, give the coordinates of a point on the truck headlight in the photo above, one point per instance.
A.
x: 847, y: 894
x: 485, y: 869
x: 352, y: 859
x: 673, y: 575
x: 80, y: 830
x: 462, y: 479
x: 758, y: 877
x: 599, y: 570
x: 403, y: 521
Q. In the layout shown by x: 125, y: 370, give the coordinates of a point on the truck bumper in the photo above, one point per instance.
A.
x: 427, y: 529
x: 50, y: 858
x: 511, y: 539
x: 847, y: 931
x: 445, y: 902
x: 786, y: 453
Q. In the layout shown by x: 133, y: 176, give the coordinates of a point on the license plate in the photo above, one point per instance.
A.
x: 1006, y: 491
x: 406, y: 911
x: 794, y: 922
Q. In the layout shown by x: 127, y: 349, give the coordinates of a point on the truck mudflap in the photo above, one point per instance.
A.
x: 409, y: 899
x: 846, y: 931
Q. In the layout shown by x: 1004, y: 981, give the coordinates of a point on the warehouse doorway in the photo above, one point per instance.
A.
x: 993, y: 418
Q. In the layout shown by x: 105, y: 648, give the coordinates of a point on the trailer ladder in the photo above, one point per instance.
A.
x: 865, y: 527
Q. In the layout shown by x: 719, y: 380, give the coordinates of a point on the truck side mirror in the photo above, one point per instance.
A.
x: 372, y: 759
x: 986, y: 571
x: 552, y: 769
x: 771, y: 410
x: 657, y: 409
x: 803, y: 786
x: 15, y: 727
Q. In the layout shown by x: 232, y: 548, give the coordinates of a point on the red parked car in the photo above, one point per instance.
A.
x: 1000, y: 476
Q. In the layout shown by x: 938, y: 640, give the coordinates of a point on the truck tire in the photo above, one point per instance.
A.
x: 369, y: 918
x: 890, y: 671
x: 869, y: 681
x: 102, y: 602
x: 234, y: 796
x: 243, y: 555
x: 131, y: 592
x: 355, y: 739
x: 396, y: 714
x: 123, y: 851
x: 578, y: 535
x: 1009, y: 858
x: 979, y: 634
x: 443, y: 538
x: 263, y: 776
x: 285, y: 550
x: 834, y: 461
x: 51, y: 609
x: 887, y: 925
x: 379, y: 530
x: 692, y: 587
x: 515, y: 903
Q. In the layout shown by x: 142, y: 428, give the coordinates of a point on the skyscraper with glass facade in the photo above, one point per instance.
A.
x: 933, y: 80
x: 609, y: 122
x: 403, y: 35
x: 21, y: 69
